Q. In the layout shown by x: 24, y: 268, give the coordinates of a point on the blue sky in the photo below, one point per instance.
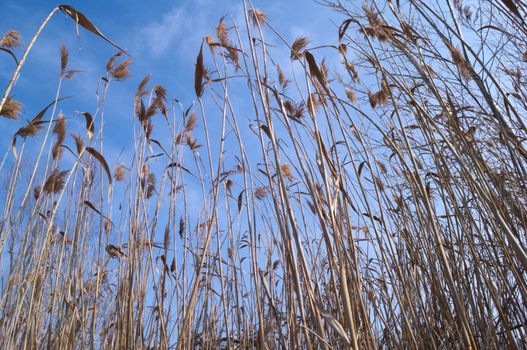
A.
x: 163, y: 37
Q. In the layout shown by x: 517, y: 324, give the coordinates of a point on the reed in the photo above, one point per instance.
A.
x: 372, y: 199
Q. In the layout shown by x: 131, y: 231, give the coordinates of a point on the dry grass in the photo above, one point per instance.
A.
x: 386, y: 211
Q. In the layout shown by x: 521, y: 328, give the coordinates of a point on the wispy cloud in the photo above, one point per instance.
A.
x: 159, y: 36
x: 180, y: 30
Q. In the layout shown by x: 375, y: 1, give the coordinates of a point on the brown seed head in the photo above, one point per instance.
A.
x: 107, y: 226
x: 114, y: 251
x: 28, y: 130
x: 121, y: 72
x: 257, y: 16
x: 109, y: 64
x: 209, y: 39
x: 63, y: 59
x: 191, y: 122
x: 223, y: 33
x: 313, y: 102
x: 119, y: 174
x: 192, y: 143
x: 57, y: 151
x: 10, y: 39
x: 294, y: 110
x: 151, y: 185
x: 281, y: 77
x: 55, y: 182
x: 350, y: 94
x: 298, y: 47
x: 11, y: 108
x: 228, y: 184
x: 261, y: 192
x: 79, y: 143
x: 60, y: 128
x: 459, y: 60
x: 382, y: 167
x: 286, y: 171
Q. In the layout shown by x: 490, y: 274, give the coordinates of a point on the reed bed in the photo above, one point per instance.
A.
x: 364, y: 193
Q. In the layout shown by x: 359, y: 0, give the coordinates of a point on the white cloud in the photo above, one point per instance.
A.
x: 180, y: 30
x: 159, y: 36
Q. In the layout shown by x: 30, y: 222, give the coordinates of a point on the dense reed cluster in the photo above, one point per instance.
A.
x: 363, y: 193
